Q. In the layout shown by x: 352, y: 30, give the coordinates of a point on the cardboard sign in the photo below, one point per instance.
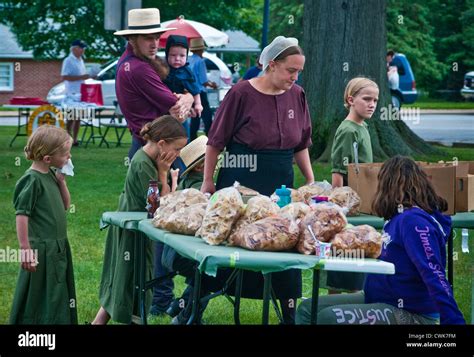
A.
x: 365, y: 182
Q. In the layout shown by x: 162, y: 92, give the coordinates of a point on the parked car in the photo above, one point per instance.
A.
x: 406, y: 92
x: 217, y: 71
x: 468, y: 90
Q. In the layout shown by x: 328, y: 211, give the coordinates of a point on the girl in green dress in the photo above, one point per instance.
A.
x: 165, y: 137
x: 45, y: 292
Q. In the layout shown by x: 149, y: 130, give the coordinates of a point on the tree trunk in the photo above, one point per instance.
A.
x: 344, y: 39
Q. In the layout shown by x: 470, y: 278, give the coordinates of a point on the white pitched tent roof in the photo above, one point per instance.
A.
x: 239, y: 42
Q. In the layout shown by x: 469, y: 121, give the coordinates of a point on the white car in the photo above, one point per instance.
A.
x: 468, y: 90
x: 217, y: 71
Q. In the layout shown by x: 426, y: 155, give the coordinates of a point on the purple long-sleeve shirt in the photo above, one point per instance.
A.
x: 261, y: 121
x: 141, y: 93
x: 415, y: 242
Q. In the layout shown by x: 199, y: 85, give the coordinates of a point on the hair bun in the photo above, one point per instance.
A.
x: 144, y: 131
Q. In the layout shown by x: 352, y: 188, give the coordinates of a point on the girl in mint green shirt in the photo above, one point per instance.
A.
x: 352, y: 138
x: 360, y: 98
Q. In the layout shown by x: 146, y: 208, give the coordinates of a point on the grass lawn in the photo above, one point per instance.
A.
x: 100, y: 173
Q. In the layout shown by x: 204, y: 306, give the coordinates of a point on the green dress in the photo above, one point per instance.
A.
x: 117, y: 293
x: 48, y: 295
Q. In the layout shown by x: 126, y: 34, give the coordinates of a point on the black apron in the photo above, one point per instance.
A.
x: 274, y: 168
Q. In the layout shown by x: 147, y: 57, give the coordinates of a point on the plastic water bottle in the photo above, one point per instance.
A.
x: 284, y: 196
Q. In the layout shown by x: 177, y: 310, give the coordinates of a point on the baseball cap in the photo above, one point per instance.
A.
x: 79, y: 43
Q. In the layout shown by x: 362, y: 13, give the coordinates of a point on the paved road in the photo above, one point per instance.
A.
x: 443, y: 128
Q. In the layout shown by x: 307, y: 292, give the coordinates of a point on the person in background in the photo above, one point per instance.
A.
x: 198, y: 65
x: 352, y: 139
x: 141, y: 93
x: 73, y: 73
x: 253, y: 71
x: 392, y: 71
x: 415, y: 234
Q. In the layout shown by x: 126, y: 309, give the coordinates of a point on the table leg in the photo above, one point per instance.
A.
x: 315, y: 297
x: 238, y: 293
x: 450, y: 260
x: 196, y: 298
x: 142, y: 297
x: 136, y: 272
x: 267, y: 286
x: 26, y: 112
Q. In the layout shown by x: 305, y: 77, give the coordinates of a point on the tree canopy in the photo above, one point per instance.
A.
x: 53, y: 25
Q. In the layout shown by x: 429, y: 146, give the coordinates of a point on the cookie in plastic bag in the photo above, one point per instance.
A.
x: 364, y: 238
x: 224, y: 209
x: 257, y: 208
x: 325, y: 220
x: 174, y: 201
x: 347, y: 198
x: 315, y: 189
x: 269, y: 234
x: 186, y: 220
x: 295, y: 211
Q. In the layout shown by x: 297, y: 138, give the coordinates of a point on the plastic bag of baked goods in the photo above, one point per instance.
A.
x: 295, y: 211
x: 315, y: 189
x: 186, y: 220
x: 347, y: 198
x: 258, y: 207
x: 358, y: 241
x: 172, y: 202
x: 296, y: 196
x: 324, y: 221
x: 270, y: 234
x: 245, y: 192
x: 224, y: 209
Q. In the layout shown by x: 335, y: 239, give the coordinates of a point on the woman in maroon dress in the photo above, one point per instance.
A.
x: 267, y: 119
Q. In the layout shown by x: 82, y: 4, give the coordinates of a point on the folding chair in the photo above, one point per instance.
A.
x: 118, y: 123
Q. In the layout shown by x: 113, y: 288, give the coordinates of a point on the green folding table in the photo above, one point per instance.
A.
x: 210, y: 258
x: 130, y: 220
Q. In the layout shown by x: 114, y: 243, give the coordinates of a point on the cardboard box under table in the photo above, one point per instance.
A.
x: 210, y: 258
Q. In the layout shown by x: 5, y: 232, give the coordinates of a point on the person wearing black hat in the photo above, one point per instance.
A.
x: 181, y: 78
x: 73, y: 73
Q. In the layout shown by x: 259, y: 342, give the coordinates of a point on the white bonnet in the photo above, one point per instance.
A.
x: 274, y: 49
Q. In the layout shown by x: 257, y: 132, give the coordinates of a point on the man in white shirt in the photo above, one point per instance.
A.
x: 74, y: 73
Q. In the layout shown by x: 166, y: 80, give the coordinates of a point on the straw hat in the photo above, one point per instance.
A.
x: 193, y: 153
x: 143, y: 22
x: 197, y: 44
